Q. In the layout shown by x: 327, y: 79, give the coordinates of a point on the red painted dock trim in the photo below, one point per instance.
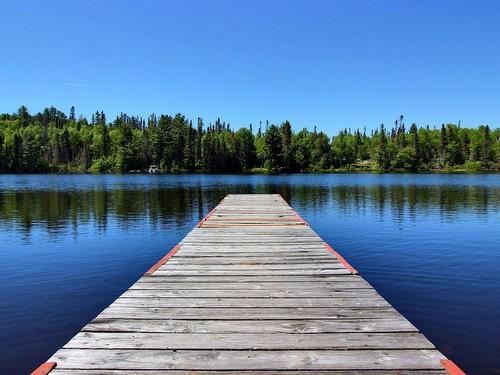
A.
x: 300, y: 217
x: 341, y: 258
x: 163, y: 260
x: 295, y: 212
x: 210, y: 213
x: 205, y: 219
x: 451, y: 367
x: 44, y: 368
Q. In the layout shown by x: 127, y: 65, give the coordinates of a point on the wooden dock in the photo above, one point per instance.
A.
x: 251, y: 289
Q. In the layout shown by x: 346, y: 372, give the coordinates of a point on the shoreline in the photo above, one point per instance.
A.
x: 268, y: 173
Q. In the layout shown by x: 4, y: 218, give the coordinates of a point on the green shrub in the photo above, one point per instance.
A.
x: 102, y: 165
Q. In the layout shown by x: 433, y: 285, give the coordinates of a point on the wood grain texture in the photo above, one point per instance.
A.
x: 310, y: 326
x: 248, y: 341
x: 252, y: 290
x: 236, y: 360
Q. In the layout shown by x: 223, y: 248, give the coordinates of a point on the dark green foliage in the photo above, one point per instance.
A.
x: 383, y: 159
x: 50, y: 141
x: 487, y: 156
x: 415, y: 144
x: 72, y: 113
x: 245, y: 143
x: 274, y: 147
x: 286, y: 146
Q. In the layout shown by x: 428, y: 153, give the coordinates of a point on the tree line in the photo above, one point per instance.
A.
x: 52, y: 141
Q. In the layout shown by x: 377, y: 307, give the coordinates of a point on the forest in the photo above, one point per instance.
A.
x: 56, y: 142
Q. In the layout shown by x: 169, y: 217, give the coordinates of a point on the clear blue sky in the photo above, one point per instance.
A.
x: 333, y: 64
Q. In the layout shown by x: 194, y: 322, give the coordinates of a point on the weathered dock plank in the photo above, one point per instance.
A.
x: 248, y: 341
x: 308, y: 326
x: 257, y: 313
x: 237, y: 360
x: 251, y: 290
x: 236, y: 284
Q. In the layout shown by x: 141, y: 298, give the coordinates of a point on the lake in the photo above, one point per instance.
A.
x: 71, y: 244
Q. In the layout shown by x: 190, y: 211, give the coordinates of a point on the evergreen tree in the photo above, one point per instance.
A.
x: 23, y: 116
x: 51, y: 141
x: 15, y: 154
x: 189, y: 149
x: 30, y: 154
x: 72, y: 113
x: 286, y: 146
x: 198, y: 153
x: 416, y: 147
x: 443, y: 142
x: 274, y: 146
x: 245, y: 146
x: 382, y: 159
x: 487, y: 154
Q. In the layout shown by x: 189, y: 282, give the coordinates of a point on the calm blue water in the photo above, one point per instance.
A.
x: 70, y: 245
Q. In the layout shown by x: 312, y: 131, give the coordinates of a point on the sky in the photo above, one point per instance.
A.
x: 330, y: 64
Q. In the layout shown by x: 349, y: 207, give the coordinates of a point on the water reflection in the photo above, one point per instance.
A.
x: 56, y: 211
x: 427, y: 243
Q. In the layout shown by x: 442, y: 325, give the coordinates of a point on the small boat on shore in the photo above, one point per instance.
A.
x: 153, y: 169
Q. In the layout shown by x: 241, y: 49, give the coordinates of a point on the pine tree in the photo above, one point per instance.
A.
x: 286, y: 145
x: 416, y: 147
x: 72, y: 113
x: 189, y: 150
x: 274, y: 148
x: 30, y: 154
x: 443, y: 141
x: 357, y: 144
x: 15, y: 154
x: 97, y: 117
x: 382, y: 159
x: 487, y: 152
x: 198, y: 145
x: 106, y: 141
x: 23, y: 116
x: 28, y: 143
